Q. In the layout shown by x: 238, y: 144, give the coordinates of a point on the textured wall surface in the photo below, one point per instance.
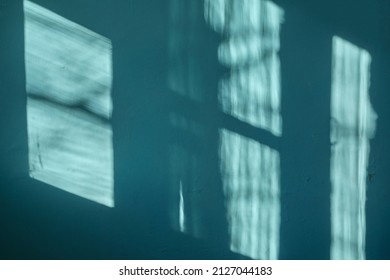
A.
x: 68, y: 82
x: 214, y: 129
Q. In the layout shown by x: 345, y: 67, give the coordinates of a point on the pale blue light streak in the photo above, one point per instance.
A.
x: 184, y: 197
x: 250, y: 47
x: 251, y: 93
x: 181, y: 210
x: 68, y: 82
x: 353, y: 125
x: 251, y: 179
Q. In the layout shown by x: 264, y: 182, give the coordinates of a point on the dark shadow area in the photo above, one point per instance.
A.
x: 170, y: 201
x: 306, y: 85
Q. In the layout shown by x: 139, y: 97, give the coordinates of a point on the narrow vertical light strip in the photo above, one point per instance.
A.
x: 250, y: 174
x: 181, y: 210
x: 185, y: 179
x: 353, y: 125
x: 68, y: 84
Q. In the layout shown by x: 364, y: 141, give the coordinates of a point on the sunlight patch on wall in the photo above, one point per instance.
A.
x: 251, y: 177
x: 250, y: 30
x: 68, y: 83
x: 353, y: 125
x: 250, y: 92
x: 185, y: 201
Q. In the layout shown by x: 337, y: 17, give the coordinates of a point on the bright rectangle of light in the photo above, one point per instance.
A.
x: 68, y: 83
x: 353, y: 124
x: 250, y: 92
x: 251, y: 41
x: 251, y: 177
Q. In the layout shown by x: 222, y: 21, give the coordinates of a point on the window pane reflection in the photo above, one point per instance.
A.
x: 251, y: 178
x: 250, y: 29
x: 68, y: 81
x: 353, y: 125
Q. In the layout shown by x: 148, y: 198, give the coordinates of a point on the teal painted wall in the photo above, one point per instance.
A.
x: 42, y: 222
